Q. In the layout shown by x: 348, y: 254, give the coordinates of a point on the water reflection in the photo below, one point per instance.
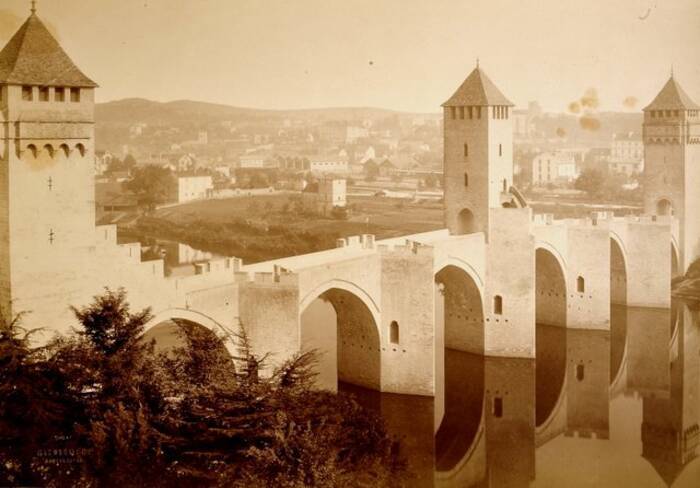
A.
x: 597, y: 408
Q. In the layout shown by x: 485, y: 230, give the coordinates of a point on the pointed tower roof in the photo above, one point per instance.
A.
x: 672, y: 97
x: 34, y: 57
x: 477, y: 89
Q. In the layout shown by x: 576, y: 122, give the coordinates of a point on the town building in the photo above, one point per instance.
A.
x: 333, y: 192
x: 191, y: 188
x: 328, y: 165
x: 553, y: 168
x: 626, y: 154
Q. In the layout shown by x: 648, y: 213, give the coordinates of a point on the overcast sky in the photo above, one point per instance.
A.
x: 399, y: 54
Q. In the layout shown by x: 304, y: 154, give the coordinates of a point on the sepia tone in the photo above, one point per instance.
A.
x: 510, y: 325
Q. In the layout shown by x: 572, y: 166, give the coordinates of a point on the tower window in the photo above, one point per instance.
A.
x: 461, y: 112
x: 580, y: 372
x: 466, y: 180
x: 498, y: 305
x: 27, y: 94
x: 394, y: 332
x: 478, y: 112
x: 500, y: 149
x: 580, y: 284
x: 75, y: 94
x: 497, y: 407
x: 466, y: 150
x: 43, y: 93
x: 60, y: 94
x: 471, y: 112
x: 80, y: 149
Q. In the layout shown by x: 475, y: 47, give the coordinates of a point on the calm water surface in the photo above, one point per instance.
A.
x: 596, y: 408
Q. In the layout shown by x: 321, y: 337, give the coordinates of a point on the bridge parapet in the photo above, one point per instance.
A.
x: 363, y: 241
x: 279, y: 275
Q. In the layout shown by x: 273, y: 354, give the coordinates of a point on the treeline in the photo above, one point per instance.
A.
x: 101, y: 408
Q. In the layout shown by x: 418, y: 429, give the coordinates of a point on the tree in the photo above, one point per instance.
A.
x: 194, y: 416
x: 590, y: 181
x: 339, y: 213
x: 129, y: 163
x: 152, y: 185
x: 371, y: 169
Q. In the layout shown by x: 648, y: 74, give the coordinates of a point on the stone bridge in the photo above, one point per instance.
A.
x: 397, y: 304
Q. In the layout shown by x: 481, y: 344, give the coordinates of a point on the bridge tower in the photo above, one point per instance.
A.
x: 478, y: 164
x: 47, y: 222
x: 672, y: 164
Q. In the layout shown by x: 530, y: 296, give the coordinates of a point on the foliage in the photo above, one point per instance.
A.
x: 152, y: 185
x: 191, y: 416
x: 590, y: 181
x: 339, y: 213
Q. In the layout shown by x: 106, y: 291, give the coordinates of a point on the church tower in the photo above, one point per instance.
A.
x: 46, y: 177
x: 672, y: 165
x: 478, y: 163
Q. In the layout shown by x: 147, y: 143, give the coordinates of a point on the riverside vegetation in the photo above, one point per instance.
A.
x: 101, y: 407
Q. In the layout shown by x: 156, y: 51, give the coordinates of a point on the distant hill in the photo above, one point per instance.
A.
x: 138, y: 110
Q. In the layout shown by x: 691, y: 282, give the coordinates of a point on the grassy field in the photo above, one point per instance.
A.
x: 270, y: 226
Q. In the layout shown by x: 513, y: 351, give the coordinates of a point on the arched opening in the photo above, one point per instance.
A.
x: 618, y: 274
x: 460, y: 394
x: 32, y: 150
x: 466, y: 224
x: 580, y: 372
x: 580, y: 285
x: 394, y: 332
x: 65, y: 149
x: 207, y: 357
x: 664, y: 207
x: 498, y: 305
x: 341, y: 328
x: 550, y: 335
x: 49, y: 150
x: 466, y: 180
x: 675, y: 262
x: 550, y: 290
x: 81, y: 149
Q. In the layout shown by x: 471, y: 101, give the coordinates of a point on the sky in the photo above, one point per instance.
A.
x: 408, y: 55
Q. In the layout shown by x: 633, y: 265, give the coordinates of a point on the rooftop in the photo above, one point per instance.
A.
x: 34, y: 57
x: 479, y: 90
x: 672, y: 97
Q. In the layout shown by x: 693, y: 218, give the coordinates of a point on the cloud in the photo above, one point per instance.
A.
x: 589, y: 122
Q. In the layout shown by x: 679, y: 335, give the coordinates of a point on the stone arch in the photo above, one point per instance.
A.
x: 81, y: 149
x: 618, y: 271
x: 181, y: 314
x: 342, y: 323
x: 664, y: 207
x: 460, y: 301
x: 550, y: 286
x: 466, y: 222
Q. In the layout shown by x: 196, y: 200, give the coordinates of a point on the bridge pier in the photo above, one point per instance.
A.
x: 407, y: 319
x: 510, y: 285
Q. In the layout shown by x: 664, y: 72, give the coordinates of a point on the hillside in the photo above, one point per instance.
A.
x: 138, y: 110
